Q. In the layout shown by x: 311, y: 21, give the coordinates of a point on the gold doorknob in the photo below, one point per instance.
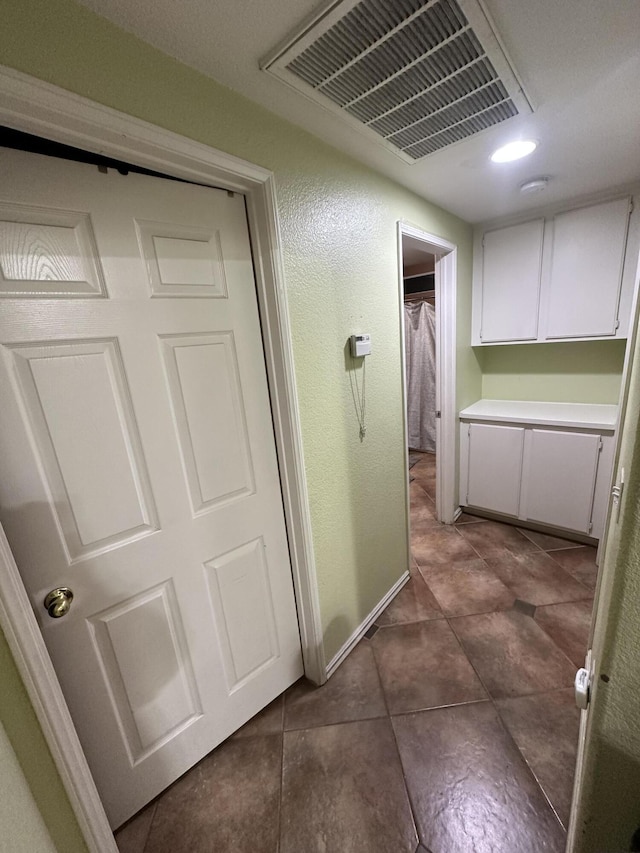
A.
x: 58, y: 602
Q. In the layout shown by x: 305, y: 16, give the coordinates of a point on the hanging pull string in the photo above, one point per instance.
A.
x: 359, y: 398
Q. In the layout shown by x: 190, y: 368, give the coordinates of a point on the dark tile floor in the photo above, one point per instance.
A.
x: 450, y: 728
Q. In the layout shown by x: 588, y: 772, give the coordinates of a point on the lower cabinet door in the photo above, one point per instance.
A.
x: 559, y: 478
x: 495, y: 467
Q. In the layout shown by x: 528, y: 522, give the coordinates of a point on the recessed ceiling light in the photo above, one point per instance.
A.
x: 534, y: 185
x: 514, y: 151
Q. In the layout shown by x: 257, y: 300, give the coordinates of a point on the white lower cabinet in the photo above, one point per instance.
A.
x: 555, y: 473
x: 495, y: 467
x: 559, y: 479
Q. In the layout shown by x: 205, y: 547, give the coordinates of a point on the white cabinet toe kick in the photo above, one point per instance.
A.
x: 543, y: 463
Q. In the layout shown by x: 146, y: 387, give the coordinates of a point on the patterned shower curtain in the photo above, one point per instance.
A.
x: 420, y: 346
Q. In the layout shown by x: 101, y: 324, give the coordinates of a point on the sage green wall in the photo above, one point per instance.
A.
x: 338, y: 222
x: 609, y: 810
x: 576, y: 372
x: 29, y: 834
x: 23, y: 737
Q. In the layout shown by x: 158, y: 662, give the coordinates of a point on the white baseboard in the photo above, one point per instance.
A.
x: 362, y: 629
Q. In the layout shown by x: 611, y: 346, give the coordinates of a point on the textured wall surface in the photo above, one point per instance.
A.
x: 609, y: 811
x: 29, y: 834
x: 338, y: 223
x: 576, y: 372
x: 21, y: 740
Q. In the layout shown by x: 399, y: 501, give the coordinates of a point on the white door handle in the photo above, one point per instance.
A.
x: 581, y: 688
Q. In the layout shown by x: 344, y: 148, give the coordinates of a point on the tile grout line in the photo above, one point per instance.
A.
x: 484, y: 686
x: 412, y: 809
x: 493, y: 701
x: 484, y: 558
x: 308, y: 728
x: 474, y: 702
x: 575, y: 547
x: 409, y: 622
x: 148, y: 835
x: 562, y: 651
x: 567, y: 572
x: 467, y: 658
x: 568, y: 601
x: 569, y: 575
x: 535, y: 692
x: 441, y: 707
x: 490, y: 569
x: 479, y: 612
x: 462, y: 649
x: 455, y: 616
x: 282, y: 733
x: 525, y: 532
x: 486, y: 565
x: 506, y: 729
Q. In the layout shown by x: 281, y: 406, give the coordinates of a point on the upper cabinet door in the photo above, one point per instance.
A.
x: 587, y: 261
x: 511, y: 268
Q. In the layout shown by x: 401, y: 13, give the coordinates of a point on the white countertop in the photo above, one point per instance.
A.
x: 577, y: 415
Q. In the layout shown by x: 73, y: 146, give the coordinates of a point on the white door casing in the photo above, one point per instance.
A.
x: 138, y: 463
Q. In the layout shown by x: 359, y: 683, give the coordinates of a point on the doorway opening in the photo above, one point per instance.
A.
x: 420, y: 333
x: 427, y: 281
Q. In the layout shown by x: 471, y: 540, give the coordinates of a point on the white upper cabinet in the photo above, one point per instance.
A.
x: 511, y: 268
x: 587, y: 258
x: 569, y: 276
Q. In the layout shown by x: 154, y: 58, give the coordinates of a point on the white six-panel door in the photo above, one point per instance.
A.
x: 138, y: 465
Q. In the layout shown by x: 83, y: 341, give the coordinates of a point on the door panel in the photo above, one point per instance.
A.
x: 495, y: 467
x: 205, y: 391
x: 561, y: 475
x: 78, y: 414
x: 511, y: 271
x: 48, y: 253
x: 586, y: 270
x: 242, y: 600
x: 182, y: 261
x: 138, y: 464
x: 138, y: 642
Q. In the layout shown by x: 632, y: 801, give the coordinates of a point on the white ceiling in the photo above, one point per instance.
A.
x: 414, y: 253
x: 579, y: 61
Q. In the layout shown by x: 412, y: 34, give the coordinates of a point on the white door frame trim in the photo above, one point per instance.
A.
x: 446, y: 295
x: 39, y: 108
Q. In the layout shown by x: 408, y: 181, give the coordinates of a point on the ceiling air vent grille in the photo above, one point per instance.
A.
x: 417, y: 76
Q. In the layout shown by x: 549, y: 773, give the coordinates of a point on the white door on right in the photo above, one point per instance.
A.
x: 560, y: 478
